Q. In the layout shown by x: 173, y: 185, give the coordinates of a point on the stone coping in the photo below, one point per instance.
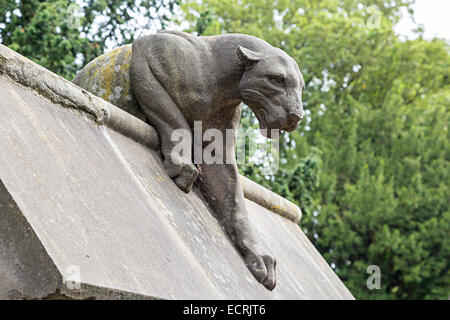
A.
x: 63, y: 92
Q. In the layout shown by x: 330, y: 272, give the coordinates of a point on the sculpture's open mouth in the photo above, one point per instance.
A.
x: 291, y: 128
x: 263, y: 127
x: 265, y: 131
x: 261, y: 116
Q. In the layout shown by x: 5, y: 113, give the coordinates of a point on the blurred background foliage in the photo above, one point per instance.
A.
x: 369, y: 165
x: 63, y: 35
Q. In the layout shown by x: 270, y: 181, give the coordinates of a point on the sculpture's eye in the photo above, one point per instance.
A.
x: 276, y: 79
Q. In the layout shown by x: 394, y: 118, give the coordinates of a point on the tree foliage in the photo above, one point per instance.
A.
x: 63, y: 35
x: 369, y: 165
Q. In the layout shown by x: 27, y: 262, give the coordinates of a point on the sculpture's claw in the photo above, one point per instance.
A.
x: 270, y: 281
x: 183, y: 174
x: 186, y: 179
x: 263, y: 269
x: 257, y: 267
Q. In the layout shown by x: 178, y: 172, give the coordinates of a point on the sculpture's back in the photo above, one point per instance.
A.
x: 108, y: 77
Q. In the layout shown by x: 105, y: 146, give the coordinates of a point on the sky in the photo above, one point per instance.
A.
x: 434, y: 15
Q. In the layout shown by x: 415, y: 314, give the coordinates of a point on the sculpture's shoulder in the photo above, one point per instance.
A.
x: 166, y: 42
x: 179, y: 60
x: 169, y: 40
x: 232, y: 40
x: 186, y: 36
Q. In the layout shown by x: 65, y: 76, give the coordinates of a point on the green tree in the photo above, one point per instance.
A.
x: 63, y: 35
x: 369, y: 165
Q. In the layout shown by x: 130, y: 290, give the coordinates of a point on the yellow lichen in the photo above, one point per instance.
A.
x: 108, y: 73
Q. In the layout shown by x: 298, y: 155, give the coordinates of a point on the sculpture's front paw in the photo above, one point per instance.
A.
x: 263, y: 269
x: 182, y: 172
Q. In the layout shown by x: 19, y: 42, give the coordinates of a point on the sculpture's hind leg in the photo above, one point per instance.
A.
x: 165, y: 116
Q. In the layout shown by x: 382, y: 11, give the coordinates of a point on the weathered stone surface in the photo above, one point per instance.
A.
x: 270, y: 200
x: 78, y: 193
x: 26, y: 271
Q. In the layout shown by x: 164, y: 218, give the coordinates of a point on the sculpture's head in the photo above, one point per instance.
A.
x: 272, y: 87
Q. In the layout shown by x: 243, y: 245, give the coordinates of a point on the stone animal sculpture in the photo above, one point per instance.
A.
x: 171, y: 79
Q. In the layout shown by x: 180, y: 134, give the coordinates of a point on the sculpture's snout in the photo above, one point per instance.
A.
x: 295, y: 116
x: 293, y: 119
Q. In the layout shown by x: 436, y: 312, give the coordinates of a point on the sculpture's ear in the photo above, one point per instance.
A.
x: 247, y: 57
